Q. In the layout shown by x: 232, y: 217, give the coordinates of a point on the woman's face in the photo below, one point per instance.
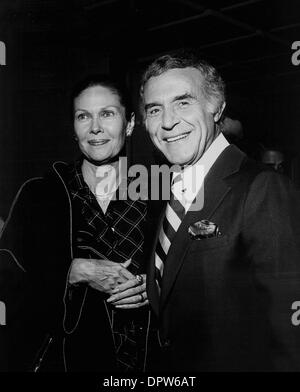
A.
x: 99, y: 123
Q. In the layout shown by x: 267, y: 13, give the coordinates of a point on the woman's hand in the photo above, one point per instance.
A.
x: 102, y: 275
x: 131, y: 294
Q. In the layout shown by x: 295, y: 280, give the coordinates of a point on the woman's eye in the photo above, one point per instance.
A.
x: 82, y: 116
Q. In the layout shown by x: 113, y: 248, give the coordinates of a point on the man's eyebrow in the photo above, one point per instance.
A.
x: 151, y: 105
x: 182, y: 97
x: 175, y: 99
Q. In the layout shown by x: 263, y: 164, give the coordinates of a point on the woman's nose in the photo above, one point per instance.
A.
x: 96, y: 126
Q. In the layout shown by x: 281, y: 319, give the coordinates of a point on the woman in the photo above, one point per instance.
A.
x: 71, y: 242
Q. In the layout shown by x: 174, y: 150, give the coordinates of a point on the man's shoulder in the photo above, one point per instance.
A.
x: 240, y: 169
x: 235, y: 163
x: 253, y: 168
x: 248, y: 166
x: 262, y: 173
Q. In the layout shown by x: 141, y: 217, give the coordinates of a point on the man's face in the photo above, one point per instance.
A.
x: 180, y: 121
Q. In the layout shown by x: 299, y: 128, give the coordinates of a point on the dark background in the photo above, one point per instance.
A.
x: 52, y: 43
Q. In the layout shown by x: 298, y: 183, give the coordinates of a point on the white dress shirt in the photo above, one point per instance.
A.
x: 193, y: 175
x: 103, y: 181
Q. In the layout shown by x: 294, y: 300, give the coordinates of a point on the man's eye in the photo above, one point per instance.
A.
x: 183, y: 104
x: 107, y: 113
x: 153, y: 111
x: 82, y: 116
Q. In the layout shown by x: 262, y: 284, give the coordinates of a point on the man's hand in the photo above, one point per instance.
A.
x: 130, y: 295
x: 102, y: 275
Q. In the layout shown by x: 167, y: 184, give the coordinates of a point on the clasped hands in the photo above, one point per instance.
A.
x: 126, y: 290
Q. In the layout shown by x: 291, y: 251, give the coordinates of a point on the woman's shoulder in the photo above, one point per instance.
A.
x: 48, y: 184
x: 30, y: 187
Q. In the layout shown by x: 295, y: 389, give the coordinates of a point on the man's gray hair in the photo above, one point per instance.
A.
x: 213, y: 84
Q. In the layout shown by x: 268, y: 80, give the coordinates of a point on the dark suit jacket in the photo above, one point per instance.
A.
x: 226, y: 301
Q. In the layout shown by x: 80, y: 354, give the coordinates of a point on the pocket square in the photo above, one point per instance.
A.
x: 203, y: 229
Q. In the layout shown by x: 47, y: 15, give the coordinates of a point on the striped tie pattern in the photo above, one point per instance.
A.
x: 173, y: 217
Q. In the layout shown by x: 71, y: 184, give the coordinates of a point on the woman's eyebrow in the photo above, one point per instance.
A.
x: 102, y: 108
x: 80, y: 110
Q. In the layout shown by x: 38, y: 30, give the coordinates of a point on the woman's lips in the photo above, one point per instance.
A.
x: 99, y: 142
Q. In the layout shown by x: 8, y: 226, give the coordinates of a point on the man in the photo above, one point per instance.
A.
x: 225, y: 268
x: 274, y: 159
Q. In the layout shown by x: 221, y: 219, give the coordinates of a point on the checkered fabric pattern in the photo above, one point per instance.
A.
x: 116, y: 236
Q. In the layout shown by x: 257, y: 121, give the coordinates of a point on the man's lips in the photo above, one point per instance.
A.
x: 98, y: 142
x: 173, y: 139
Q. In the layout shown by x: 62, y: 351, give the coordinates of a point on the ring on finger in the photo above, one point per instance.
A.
x: 140, y: 279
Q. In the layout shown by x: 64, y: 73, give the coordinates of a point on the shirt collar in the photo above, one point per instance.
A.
x: 210, y: 155
x: 103, y: 179
x: 193, y: 175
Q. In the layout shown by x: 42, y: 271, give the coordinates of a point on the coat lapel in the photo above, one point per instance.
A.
x: 215, y: 190
x: 152, y: 290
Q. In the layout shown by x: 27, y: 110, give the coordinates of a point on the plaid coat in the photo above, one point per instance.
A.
x: 37, y: 246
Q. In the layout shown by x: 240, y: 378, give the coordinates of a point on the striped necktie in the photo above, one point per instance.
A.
x: 173, y: 217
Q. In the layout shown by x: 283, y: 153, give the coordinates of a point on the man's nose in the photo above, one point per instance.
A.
x: 169, y: 120
x: 96, y: 125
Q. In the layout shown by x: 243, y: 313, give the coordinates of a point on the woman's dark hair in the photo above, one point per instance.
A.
x: 116, y: 86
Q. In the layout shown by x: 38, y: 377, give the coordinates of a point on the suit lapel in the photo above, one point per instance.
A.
x: 215, y: 190
x: 151, y: 281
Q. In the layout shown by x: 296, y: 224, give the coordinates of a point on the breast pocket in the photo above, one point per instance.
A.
x: 209, y: 243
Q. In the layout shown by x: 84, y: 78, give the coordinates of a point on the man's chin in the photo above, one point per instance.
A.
x: 177, y: 160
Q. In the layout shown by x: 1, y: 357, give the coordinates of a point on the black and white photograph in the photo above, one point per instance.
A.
x: 149, y: 190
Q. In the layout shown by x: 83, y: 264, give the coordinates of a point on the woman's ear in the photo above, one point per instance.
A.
x: 130, y: 125
x: 218, y: 114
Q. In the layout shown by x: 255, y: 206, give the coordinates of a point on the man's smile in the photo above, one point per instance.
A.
x: 176, y: 138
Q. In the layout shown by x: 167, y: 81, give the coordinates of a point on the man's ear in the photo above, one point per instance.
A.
x: 130, y: 125
x: 218, y: 114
